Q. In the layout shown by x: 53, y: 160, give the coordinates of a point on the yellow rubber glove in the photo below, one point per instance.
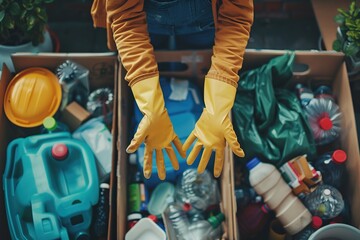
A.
x: 155, y: 128
x: 214, y: 127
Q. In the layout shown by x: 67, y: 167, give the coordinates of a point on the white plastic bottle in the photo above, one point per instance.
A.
x: 268, y: 183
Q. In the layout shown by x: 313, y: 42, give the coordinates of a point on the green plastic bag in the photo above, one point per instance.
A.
x: 268, y: 118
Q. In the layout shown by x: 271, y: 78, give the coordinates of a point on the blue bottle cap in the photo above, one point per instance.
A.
x: 255, y: 161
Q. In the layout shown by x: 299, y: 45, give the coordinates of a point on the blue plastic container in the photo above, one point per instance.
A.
x: 50, y: 184
x: 183, y: 115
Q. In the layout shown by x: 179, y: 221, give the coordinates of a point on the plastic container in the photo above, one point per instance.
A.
x: 159, y: 198
x: 332, y: 167
x: 315, y: 224
x: 324, y: 117
x: 136, y: 194
x: 145, y: 229
x: 50, y: 125
x: 51, y: 185
x: 325, y: 202
x: 267, y: 182
x: 209, y: 229
x: 101, y: 212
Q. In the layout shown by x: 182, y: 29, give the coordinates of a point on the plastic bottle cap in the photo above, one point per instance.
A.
x: 327, y: 192
x: 339, y: 156
x: 215, y: 221
x: 105, y: 185
x: 316, y: 222
x: 134, y: 216
x: 59, y: 151
x: 133, y: 159
x: 187, y: 207
x: 253, y: 163
x: 325, y: 123
x: 153, y: 218
x: 50, y: 123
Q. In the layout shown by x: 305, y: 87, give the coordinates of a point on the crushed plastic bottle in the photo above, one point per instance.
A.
x: 332, y: 166
x: 198, y: 190
x: 324, y: 117
x: 209, y: 229
x: 325, y: 202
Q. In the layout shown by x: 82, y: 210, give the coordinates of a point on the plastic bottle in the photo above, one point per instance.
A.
x: 132, y: 219
x: 245, y: 195
x: 267, y: 182
x: 198, y: 190
x: 325, y: 202
x: 324, y: 91
x: 101, y: 212
x: 138, y: 197
x: 50, y: 125
x: 304, y: 94
x: 332, y: 166
x: 209, y: 229
x: 315, y: 224
x: 178, y: 220
x: 324, y: 117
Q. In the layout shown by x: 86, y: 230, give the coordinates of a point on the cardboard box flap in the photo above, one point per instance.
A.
x: 325, y: 11
x: 322, y: 65
x: 100, y: 65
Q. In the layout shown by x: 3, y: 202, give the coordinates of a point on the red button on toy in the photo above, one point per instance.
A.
x: 59, y: 151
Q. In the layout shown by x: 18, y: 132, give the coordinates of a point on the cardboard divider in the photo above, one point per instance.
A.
x: 103, y: 72
x: 198, y: 63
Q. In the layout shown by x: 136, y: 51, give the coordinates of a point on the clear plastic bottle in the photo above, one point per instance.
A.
x: 101, y: 212
x: 325, y: 202
x: 332, y: 166
x: 268, y: 182
x: 50, y: 125
x: 209, y: 229
x: 324, y: 117
x: 245, y: 195
x: 315, y: 224
x: 304, y: 94
x: 198, y: 190
x: 178, y: 220
x: 324, y: 91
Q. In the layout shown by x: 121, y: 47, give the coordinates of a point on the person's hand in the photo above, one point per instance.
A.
x: 214, y: 127
x: 155, y: 128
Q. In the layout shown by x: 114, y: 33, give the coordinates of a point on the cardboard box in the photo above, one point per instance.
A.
x: 197, y: 64
x: 103, y: 73
x: 325, y: 68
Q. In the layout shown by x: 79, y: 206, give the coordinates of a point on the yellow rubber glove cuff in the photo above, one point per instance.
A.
x: 214, y: 127
x: 155, y: 128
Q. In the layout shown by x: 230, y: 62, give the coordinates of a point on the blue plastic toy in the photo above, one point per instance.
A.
x: 50, y: 184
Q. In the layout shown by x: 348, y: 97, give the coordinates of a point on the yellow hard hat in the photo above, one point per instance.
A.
x: 32, y: 95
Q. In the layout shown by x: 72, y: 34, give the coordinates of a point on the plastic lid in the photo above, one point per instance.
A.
x: 316, y: 222
x: 50, y: 123
x: 215, y: 221
x: 105, y: 185
x: 162, y: 195
x: 153, y: 218
x: 325, y: 123
x: 31, y: 96
x: 134, y: 216
x: 339, y: 156
x: 187, y: 207
x: 59, y: 151
x: 250, y: 165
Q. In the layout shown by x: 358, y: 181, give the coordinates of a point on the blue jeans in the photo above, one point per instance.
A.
x: 180, y: 24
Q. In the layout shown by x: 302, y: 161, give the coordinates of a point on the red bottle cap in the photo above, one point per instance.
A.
x: 153, y: 218
x: 339, y: 156
x: 316, y: 222
x: 187, y: 207
x: 59, y: 151
x: 325, y: 123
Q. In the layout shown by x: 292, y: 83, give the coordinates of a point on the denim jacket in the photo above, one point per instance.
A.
x: 127, y: 33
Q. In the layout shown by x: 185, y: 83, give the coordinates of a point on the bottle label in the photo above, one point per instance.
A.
x: 134, y: 197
